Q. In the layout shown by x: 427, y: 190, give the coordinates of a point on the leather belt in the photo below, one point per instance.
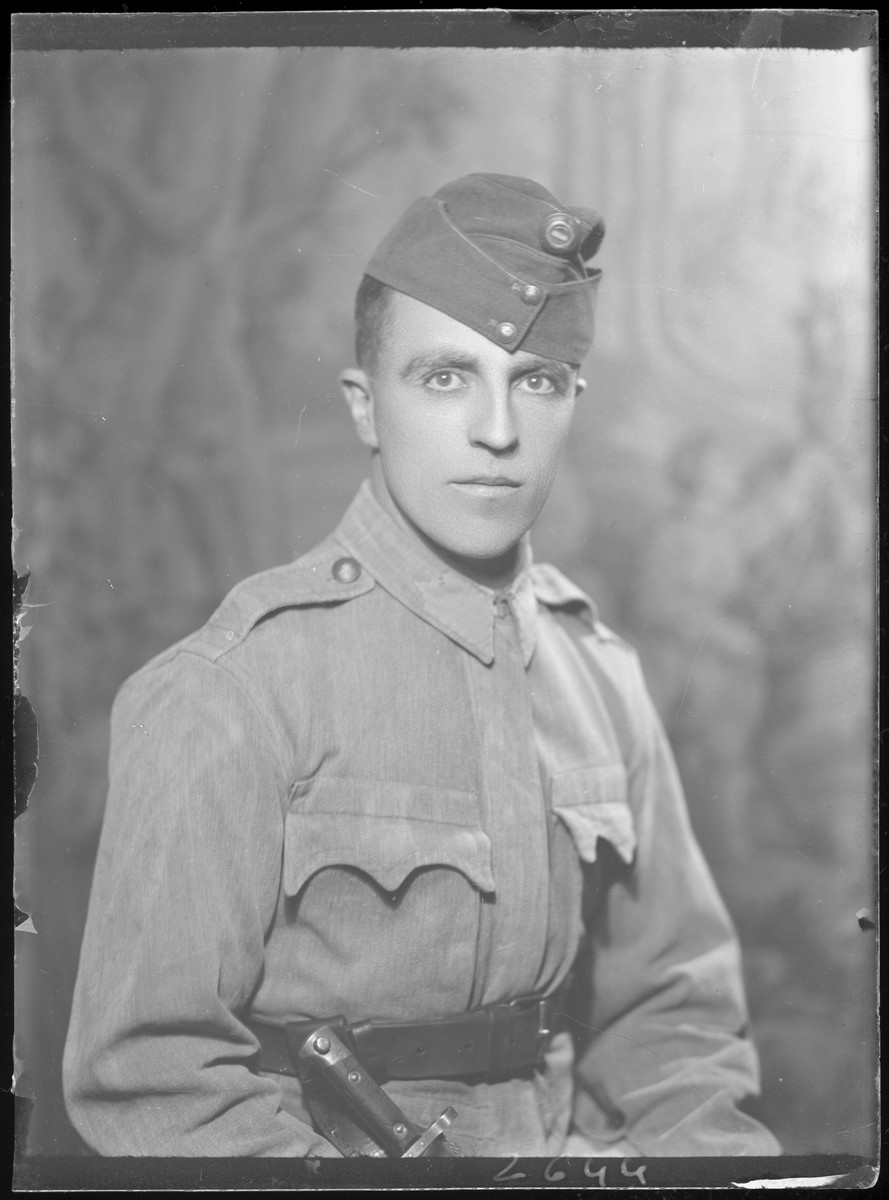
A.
x: 498, y: 1040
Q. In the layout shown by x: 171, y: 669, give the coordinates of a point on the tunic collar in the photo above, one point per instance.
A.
x: 460, y: 608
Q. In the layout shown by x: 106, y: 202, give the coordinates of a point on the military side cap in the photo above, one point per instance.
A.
x: 500, y: 254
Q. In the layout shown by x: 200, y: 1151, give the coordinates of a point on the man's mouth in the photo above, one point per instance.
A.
x: 498, y: 482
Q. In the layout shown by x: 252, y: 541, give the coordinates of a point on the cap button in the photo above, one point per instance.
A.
x: 560, y: 233
x: 506, y: 331
x: 346, y: 570
x: 531, y: 294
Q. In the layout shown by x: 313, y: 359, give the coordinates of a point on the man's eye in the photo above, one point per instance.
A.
x: 444, y: 381
x: 541, y: 384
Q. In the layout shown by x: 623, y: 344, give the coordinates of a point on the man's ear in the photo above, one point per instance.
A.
x: 579, y: 387
x: 358, y: 393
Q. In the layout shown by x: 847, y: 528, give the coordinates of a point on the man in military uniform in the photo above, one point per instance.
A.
x: 410, y: 788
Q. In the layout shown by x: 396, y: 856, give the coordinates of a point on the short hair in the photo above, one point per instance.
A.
x: 372, y: 322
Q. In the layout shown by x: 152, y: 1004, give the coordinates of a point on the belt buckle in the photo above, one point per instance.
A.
x: 544, y: 1012
x: 516, y: 1037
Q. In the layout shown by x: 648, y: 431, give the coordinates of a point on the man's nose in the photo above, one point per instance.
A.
x: 494, y: 423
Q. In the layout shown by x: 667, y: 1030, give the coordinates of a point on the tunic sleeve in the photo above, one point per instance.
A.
x: 185, y: 888
x: 671, y: 1058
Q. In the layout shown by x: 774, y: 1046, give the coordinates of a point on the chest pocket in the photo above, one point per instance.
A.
x: 384, y: 830
x: 592, y: 802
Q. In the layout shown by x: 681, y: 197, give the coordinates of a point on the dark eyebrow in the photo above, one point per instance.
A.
x: 561, y: 372
x: 439, y: 360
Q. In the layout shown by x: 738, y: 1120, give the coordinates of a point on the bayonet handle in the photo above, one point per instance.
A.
x: 398, y: 1136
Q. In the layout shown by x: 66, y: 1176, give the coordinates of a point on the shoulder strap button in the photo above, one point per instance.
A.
x: 346, y: 570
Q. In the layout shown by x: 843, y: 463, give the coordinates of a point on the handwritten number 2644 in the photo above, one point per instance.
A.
x: 552, y: 1175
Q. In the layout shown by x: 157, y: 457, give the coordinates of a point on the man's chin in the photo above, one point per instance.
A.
x: 491, y: 564
x: 478, y: 557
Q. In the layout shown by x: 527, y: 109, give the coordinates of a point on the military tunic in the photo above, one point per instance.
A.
x: 370, y: 786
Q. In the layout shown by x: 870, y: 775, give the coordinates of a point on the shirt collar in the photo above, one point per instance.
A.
x: 457, y: 606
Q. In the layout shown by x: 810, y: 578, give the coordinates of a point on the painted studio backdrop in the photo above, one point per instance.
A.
x: 190, y: 227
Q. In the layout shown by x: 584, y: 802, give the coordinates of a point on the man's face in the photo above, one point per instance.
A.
x: 468, y: 434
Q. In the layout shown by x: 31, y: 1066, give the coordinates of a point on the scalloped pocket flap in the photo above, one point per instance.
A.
x: 385, y: 831
x: 592, y: 801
